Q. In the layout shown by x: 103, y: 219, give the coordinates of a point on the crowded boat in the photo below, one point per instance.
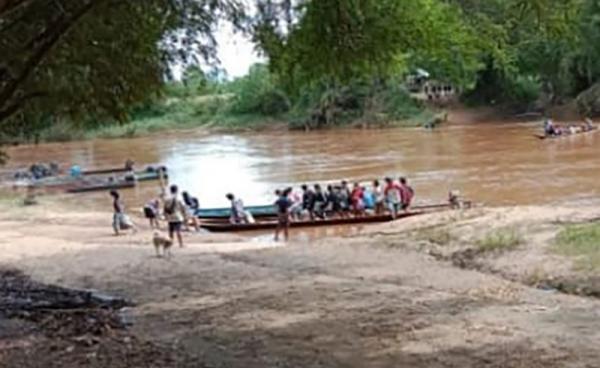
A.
x: 552, y: 130
x: 307, y: 205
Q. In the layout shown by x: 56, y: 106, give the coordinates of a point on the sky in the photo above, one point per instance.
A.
x: 235, y: 52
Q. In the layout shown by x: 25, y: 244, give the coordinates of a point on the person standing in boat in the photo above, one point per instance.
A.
x: 368, y: 198
x: 283, y: 205
x: 588, y: 124
x: 120, y: 220
x: 345, y: 196
x: 296, y: 203
x: 406, y: 193
x: 175, y: 214
x: 356, y: 199
x: 379, y: 197
x: 392, y: 196
x: 320, y: 202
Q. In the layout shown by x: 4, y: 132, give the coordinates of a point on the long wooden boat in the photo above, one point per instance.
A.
x: 566, y: 134
x: 221, y: 225
x: 100, y: 186
x: 121, y: 170
x: 124, y: 183
x: 105, y: 171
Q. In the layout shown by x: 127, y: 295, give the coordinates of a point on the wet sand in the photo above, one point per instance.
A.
x: 381, y: 298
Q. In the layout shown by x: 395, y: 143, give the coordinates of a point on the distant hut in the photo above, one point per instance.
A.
x: 423, y: 88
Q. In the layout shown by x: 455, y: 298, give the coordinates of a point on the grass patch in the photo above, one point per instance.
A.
x: 437, y: 236
x: 500, y: 239
x: 581, y: 242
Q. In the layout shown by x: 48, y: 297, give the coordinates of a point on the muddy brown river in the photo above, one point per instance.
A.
x: 490, y: 163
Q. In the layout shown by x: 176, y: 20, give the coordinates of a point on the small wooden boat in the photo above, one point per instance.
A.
x: 566, y: 134
x: 222, y: 225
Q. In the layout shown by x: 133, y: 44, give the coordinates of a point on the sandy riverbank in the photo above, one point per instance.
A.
x: 395, y: 295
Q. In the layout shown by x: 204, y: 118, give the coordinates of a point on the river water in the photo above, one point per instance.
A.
x: 490, y: 163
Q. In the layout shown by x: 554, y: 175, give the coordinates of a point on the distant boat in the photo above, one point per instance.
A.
x: 566, y: 134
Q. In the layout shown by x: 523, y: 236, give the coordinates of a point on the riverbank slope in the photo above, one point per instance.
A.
x: 394, y: 295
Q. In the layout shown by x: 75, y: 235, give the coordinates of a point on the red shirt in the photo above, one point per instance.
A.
x: 406, y: 194
x: 357, y: 195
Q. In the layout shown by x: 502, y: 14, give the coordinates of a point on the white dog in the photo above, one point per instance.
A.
x: 161, y: 241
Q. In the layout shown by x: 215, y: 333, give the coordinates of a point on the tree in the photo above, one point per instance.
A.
x: 97, y: 57
x: 339, y: 40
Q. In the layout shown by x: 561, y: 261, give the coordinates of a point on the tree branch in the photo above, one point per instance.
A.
x: 13, y: 108
x: 53, y: 35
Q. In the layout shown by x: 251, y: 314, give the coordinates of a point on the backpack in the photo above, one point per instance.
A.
x: 170, y: 207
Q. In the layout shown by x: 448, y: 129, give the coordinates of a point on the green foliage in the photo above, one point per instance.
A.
x: 581, y: 242
x: 500, y: 240
x: 82, y: 58
x: 258, y: 92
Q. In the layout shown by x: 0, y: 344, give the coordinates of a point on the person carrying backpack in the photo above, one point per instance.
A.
x: 175, y: 214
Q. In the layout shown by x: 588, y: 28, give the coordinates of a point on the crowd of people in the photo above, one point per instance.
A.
x: 178, y: 213
x: 552, y: 130
x: 341, y: 200
x: 311, y: 202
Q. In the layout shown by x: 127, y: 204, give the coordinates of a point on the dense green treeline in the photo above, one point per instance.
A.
x: 75, y: 71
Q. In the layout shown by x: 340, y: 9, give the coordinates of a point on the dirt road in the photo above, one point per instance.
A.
x: 359, y: 301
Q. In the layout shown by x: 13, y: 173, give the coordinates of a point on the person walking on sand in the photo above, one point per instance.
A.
x: 120, y: 220
x: 191, y: 206
x: 175, y: 215
x: 151, y: 210
x: 239, y: 215
x: 283, y: 205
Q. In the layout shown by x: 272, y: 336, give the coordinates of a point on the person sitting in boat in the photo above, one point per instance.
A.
x: 333, y: 200
x: 239, y: 215
x: 356, y: 200
x: 588, y: 124
x: 308, y: 200
x: 573, y: 129
x: 550, y: 129
x: 129, y: 163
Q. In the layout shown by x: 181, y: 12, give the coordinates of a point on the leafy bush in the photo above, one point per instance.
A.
x: 258, y: 93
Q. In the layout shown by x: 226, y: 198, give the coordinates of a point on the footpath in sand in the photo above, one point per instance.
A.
x: 406, y: 294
